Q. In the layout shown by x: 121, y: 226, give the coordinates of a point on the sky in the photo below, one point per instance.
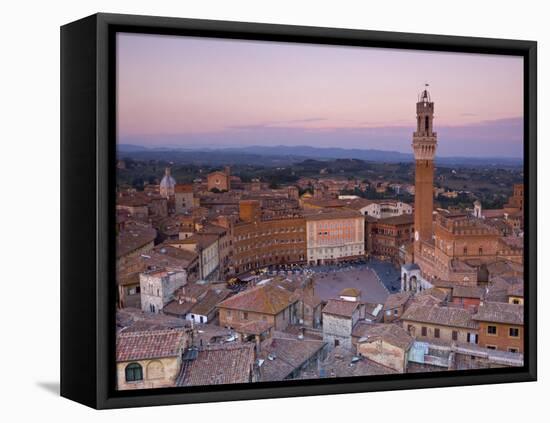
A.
x: 203, y: 92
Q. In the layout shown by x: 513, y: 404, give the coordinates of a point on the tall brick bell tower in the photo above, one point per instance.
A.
x: 424, y: 144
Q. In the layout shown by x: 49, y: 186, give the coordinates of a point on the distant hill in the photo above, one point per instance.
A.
x: 326, y: 153
x: 131, y: 147
x: 278, y: 155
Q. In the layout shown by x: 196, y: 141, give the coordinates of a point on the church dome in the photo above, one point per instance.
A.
x: 167, y: 184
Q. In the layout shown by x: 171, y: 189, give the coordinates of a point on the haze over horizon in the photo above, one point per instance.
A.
x: 191, y: 92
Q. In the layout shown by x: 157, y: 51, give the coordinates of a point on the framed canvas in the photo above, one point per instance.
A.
x: 258, y: 211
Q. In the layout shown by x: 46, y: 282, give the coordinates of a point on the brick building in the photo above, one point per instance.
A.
x: 386, y: 236
x: 183, y: 197
x: 259, y: 242
x: 501, y: 326
x: 429, y: 323
x: 265, y: 303
x: 219, y: 180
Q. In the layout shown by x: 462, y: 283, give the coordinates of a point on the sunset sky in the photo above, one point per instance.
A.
x: 189, y: 92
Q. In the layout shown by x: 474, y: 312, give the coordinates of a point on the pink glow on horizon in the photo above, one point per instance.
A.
x: 181, y: 85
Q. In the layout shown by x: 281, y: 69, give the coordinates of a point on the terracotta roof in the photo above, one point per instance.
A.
x: 132, y: 201
x: 436, y: 293
x: 208, y: 302
x: 153, y: 260
x: 285, y: 353
x: 340, y: 307
x: 498, y: 290
x: 202, y: 240
x: 468, y: 291
x: 328, y: 202
x: 341, y: 362
x: 490, y: 213
x: 182, y: 188
x: 178, y: 308
x: 311, y: 299
x: 516, y: 290
x: 397, y: 300
x: 219, y: 365
x: 149, y: 344
x: 514, y: 242
x: 358, y: 203
x: 131, y: 319
x: 500, y: 313
x: 136, y: 199
x: 445, y: 316
x: 439, y: 283
x: 391, y: 333
x: 213, y: 229
x: 322, y: 214
x: 128, y: 279
x: 370, y: 219
x: 504, y: 268
x: 254, y: 327
x: 265, y: 299
x: 132, y: 238
x: 184, y: 256
x: 402, y: 219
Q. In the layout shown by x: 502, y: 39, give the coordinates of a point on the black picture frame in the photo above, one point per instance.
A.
x: 87, y: 209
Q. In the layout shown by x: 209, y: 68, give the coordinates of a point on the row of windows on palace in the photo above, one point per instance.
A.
x: 338, y: 249
x: 281, y: 254
x: 330, y: 241
x: 268, y: 243
x: 267, y: 233
x: 390, y: 232
x: 388, y: 242
x: 335, y: 225
x: 464, y: 252
x: 340, y: 232
x: 385, y: 251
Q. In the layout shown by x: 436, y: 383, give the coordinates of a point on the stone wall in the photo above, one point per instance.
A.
x: 383, y: 353
x: 336, y: 328
x: 157, y: 373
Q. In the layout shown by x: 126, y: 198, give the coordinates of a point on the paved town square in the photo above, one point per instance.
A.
x: 329, y: 285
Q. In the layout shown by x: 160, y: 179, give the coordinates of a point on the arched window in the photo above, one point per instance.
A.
x: 133, y: 372
x: 427, y: 123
